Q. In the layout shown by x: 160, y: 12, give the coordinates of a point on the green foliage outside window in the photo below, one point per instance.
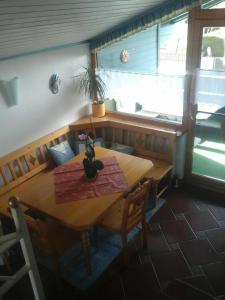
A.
x: 215, y: 44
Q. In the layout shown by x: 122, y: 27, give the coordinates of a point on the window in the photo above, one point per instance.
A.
x: 145, y: 72
x: 210, y: 78
x: 214, y: 4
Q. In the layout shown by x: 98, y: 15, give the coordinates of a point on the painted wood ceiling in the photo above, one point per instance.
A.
x: 28, y: 26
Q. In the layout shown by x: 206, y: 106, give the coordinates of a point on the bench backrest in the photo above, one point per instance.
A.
x: 148, y: 140
x: 29, y: 160
x: 151, y: 141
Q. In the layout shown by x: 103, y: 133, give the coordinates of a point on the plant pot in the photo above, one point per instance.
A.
x: 98, y: 110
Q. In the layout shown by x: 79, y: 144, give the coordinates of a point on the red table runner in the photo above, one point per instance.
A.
x: 70, y: 184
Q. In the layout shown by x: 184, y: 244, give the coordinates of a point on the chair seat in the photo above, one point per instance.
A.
x: 122, y: 148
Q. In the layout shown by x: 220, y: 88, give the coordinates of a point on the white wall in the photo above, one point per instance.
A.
x: 39, y: 111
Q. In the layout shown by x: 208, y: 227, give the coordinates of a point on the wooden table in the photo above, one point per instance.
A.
x: 38, y: 193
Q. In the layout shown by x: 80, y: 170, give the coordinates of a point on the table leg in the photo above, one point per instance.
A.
x: 86, y: 249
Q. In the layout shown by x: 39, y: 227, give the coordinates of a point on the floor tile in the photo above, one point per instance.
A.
x: 182, y: 290
x: 201, y: 220
x: 200, y: 282
x: 201, y: 235
x: 176, y: 231
x: 139, y: 281
x: 156, y: 241
x: 180, y: 217
x: 216, y: 275
x: 198, y: 252
x: 174, y: 246
x: 197, y: 270
x: 170, y: 265
x: 201, y: 204
x: 164, y: 214
x: 181, y: 202
x: 218, y: 211
x: 221, y: 223
x: 156, y: 296
x: 217, y: 238
x: 110, y: 290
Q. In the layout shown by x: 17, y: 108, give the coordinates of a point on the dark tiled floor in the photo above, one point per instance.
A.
x: 201, y: 220
x: 170, y: 265
x: 216, y: 275
x: 198, y: 252
x: 184, y: 258
x: 177, y: 231
x: 217, y: 238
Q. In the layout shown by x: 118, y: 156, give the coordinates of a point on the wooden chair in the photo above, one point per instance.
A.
x: 4, y: 256
x: 128, y: 213
x: 51, y: 239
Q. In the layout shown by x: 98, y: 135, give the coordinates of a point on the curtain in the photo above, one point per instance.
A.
x: 158, y: 14
x: 146, y: 90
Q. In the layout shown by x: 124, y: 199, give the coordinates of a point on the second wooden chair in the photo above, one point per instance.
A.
x: 128, y: 213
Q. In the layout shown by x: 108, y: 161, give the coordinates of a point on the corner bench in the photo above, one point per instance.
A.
x: 150, y: 141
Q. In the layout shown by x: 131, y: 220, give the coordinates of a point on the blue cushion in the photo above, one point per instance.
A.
x: 61, y: 153
x: 80, y: 145
x: 122, y: 148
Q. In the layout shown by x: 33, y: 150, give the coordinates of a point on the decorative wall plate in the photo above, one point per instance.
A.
x: 124, y: 56
x: 54, y: 83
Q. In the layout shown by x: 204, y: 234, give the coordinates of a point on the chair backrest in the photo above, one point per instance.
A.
x: 50, y: 237
x: 39, y: 234
x: 135, y: 205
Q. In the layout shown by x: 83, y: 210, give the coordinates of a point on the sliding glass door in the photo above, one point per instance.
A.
x: 207, y: 109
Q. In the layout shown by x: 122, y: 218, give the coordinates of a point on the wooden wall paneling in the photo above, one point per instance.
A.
x: 5, y: 179
x: 39, y: 155
x: 65, y: 137
x: 161, y: 143
x: 18, y: 163
x: 43, y: 152
x: 31, y: 160
x: 140, y: 141
x: 171, y: 145
x: 149, y: 142
x: 26, y: 149
x: 28, y: 161
x: 113, y: 134
x: 76, y: 135
x: 122, y: 136
x: 104, y: 133
x: 11, y: 168
x: 59, y: 140
x: 126, y: 137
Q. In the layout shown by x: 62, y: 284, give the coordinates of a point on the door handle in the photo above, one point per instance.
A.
x: 193, y: 111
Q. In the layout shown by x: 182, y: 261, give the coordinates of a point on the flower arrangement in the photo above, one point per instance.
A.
x: 91, y: 165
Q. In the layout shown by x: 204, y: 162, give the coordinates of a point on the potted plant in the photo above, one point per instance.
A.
x: 93, y: 86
